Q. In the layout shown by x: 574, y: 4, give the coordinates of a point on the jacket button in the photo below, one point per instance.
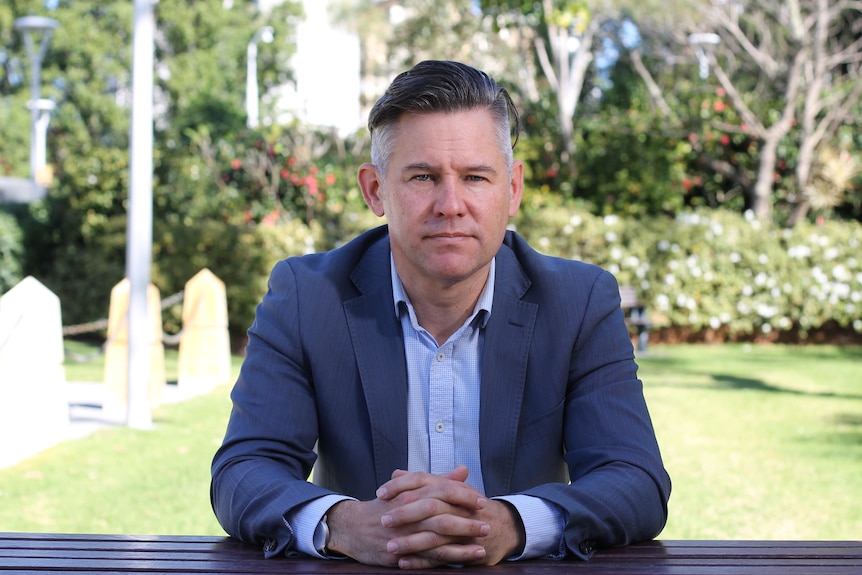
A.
x: 269, y: 545
x: 587, y: 547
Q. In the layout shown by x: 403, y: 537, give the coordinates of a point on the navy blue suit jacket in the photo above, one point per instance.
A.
x: 324, y: 384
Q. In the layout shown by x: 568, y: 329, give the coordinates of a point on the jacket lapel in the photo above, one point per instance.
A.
x: 504, y: 368
x: 376, y: 335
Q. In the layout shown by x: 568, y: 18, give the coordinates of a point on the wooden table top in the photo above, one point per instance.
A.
x: 31, y: 553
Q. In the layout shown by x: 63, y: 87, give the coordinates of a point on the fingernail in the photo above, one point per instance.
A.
x: 484, y: 530
x: 386, y: 520
x: 480, y: 553
x: 381, y: 492
x: 392, y: 547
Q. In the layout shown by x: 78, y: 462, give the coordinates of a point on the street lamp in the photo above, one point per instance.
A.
x: 265, y: 34
x: 703, y: 41
x: 40, y: 110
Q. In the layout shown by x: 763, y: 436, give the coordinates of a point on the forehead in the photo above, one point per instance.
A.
x: 466, y: 135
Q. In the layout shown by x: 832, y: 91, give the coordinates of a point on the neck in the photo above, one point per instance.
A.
x: 443, y: 310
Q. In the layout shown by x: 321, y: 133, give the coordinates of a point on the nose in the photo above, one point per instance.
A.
x: 450, y: 198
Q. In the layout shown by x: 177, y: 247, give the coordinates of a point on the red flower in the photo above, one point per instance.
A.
x: 330, y: 179
x: 725, y: 139
x: 236, y: 164
x: 311, y: 182
x: 720, y: 92
x: 686, y: 183
x: 718, y: 106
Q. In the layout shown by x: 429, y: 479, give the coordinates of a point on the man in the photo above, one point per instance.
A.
x: 462, y: 398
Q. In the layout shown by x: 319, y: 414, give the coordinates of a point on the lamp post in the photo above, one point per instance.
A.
x: 40, y: 110
x: 703, y: 41
x: 265, y: 34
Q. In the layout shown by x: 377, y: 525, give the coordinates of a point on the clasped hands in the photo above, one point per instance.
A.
x: 420, y: 520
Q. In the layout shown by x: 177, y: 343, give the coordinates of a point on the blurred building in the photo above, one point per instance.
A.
x: 327, y: 68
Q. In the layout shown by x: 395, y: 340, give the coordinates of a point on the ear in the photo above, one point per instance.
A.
x: 370, y: 183
x: 517, y: 187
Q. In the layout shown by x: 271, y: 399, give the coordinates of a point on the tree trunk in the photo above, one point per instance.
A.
x: 761, y: 199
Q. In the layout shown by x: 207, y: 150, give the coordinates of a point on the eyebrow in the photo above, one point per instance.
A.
x: 423, y: 167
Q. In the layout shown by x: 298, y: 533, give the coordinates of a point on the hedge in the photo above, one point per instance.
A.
x: 716, y: 275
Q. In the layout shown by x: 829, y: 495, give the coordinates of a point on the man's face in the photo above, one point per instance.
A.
x: 447, y: 196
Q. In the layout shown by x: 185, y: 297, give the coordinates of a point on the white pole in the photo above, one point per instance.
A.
x: 251, y: 91
x: 252, y: 106
x: 139, y: 238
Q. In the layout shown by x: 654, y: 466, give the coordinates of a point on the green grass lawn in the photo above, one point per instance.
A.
x: 762, y: 442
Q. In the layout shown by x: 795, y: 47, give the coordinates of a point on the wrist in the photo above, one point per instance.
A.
x: 333, y: 524
x: 517, y: 538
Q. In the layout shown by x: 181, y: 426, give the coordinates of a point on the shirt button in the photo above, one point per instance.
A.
x: 440, y: 427
x: 441, y: 356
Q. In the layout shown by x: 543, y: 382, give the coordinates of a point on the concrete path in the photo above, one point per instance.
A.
x: 85, y: 417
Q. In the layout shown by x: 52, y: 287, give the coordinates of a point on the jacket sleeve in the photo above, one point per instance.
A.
x: 259, y: 473
x: 618, y: 489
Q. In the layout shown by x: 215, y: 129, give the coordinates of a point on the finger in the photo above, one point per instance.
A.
x: 447, y: 526
x: 427, y: 509
x: 416, y: 485
x: 399, y: 473
x: 452, y: 554
x: 460, y: 473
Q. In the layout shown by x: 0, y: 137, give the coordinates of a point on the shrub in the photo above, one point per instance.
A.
x: 718, y: 274
x: 11, y: 251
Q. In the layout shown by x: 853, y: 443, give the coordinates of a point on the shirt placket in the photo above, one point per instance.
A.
x: 440, y: 411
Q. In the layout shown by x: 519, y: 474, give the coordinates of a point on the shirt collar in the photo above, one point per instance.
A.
x: 484, y: 303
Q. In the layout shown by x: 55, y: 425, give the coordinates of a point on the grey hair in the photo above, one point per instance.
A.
x: 441, y: 86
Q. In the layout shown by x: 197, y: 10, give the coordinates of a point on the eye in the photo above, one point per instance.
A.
x: 475, y: 178
x: 422, y: 178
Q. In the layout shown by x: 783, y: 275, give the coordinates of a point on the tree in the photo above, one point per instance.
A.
x: 75, y: 238
x: 801, y: 58
x: 559, y: 38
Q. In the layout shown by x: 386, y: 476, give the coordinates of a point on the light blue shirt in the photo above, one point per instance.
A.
x: 443, y: 422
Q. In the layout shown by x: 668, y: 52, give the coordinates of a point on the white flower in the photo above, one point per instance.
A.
x: 714, y: 322
x: 799, y: 252
x: 735, y: 258
x: 616, y: 253
x: 663, y: 245
x: 610, y: 237
x: 611, y: 220
x: 766, y: 328
x: 669, y: 280
x: 840, y: 273
x: 831, y: 253
x: 760, y: 279
x: 763, y: 259
x: 662, y: 301
x: 576, y: 220
x: 747, y: 290
x: 857, y: 324
x: 544, y: 242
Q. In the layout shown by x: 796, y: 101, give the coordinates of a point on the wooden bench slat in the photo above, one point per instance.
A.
x: 162, y: 555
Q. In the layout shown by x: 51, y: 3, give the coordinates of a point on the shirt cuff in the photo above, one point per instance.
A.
x: 544, y: 525
x: 305, y: 524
